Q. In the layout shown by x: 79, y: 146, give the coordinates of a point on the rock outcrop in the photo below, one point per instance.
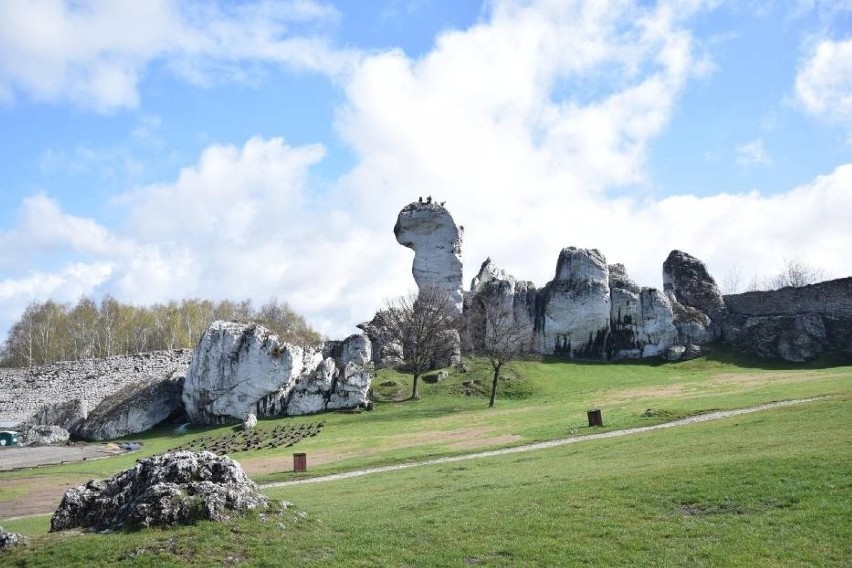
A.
x: 135, y: 408
x: 690, y: 282
x: 386, y: 351
x: 9, y: 539
x: 429, y: 230
x: 589, y: 310
x: 241, y: 369
x: 793, y: 324
x: 641, y: 319
x: 30, y: 395
x: 43, y: 435
x: 168, y: 489
x: 575, y: 308
x: 496, y: 298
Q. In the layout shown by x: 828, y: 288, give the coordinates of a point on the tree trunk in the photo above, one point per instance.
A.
x: 414, y: 394
x: 494, y: 387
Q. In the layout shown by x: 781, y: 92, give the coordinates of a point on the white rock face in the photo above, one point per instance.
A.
x: 641, y: 319
x: 135, y: 408
x: 429, y: 229
x: 496, y: 294
x: 576, y: 306
x: 241, y: 369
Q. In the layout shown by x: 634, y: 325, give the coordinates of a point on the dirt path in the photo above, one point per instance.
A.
x: 52, y: 495
x: 542, y: 445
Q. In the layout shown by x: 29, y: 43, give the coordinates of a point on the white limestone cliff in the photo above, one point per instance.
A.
x: 575, y: 306
x: 241, y: 369
x: 429, y: 230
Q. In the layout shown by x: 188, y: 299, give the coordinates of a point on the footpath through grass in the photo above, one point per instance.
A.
x: 764, y: 489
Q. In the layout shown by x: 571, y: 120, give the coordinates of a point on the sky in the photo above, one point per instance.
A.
x: 163, y: 150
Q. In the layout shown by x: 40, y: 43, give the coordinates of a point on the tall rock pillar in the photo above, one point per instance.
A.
x: 429, y: 230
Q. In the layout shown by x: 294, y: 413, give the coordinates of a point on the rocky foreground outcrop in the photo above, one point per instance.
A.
x: 169, y: 489
x: 9, y: 539
x: 241, y: 369
x: 429, y: 230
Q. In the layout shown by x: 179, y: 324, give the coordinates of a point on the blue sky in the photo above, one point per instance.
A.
x: 178, y: 149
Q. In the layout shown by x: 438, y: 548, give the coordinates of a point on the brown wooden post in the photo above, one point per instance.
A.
x: 300, y: 462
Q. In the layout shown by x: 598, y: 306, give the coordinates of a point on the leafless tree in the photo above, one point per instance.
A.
x: 504, y: 339
x: 797, y: 273
x: 425, y: 326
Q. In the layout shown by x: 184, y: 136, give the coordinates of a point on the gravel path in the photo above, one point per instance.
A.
x: 542, y: 445
x: 34, y: 456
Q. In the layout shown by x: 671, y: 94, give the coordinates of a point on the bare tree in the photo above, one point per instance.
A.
x: 797, y: 273
x: 505, y: 339
x: 425, y: 325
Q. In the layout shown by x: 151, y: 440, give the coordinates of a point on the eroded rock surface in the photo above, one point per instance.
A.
x: 9, y: 539
x: 429, y: 230
x: 135, y: 408
x: 641, y: 319
x: 63, y: 394
x: 43, y: 435
x: 241, y: 369
x: 691, y: 283
x: 575, y: 307
x: 169, y: 489
x: 794, y: 324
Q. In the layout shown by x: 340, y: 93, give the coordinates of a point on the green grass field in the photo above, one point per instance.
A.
x: 765, y: 489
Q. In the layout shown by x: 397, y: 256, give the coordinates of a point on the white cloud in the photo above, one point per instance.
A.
x: 753, y: 153
x: 94, y: 53
x: 489, y: 121
x: 824, y: 82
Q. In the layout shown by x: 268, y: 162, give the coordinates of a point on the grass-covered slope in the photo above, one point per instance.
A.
x: 771, y: 488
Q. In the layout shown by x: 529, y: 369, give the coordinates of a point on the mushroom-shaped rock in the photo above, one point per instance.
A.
x: 429, y: 230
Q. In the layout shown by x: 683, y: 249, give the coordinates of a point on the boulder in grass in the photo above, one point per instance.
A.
x: 176, y: 488
x: 9, y: 539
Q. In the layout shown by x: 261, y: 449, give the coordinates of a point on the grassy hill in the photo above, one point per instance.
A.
x: 771, y: 488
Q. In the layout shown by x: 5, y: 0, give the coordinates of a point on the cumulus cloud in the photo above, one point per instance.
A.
x: 94, y: 53
x: 824, y: 82
x: 497, y: 121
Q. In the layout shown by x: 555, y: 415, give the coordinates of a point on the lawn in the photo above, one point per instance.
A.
x: 770, y: 488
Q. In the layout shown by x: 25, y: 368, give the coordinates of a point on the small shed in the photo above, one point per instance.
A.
x: 9, y: 438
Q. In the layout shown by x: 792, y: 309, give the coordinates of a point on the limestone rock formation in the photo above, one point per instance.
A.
x: 135, y: 408
x: 9, y: 539
x: 67, y: 415
x: 794, y: 324
x: 168, y: 489
x: 43, y: 435
x: 574, y: 310
x: 641, y: 319
x: 386, y: 351
x: 250, y: 422
x: 429, y: 230
x: 691, y: 283
x: 64, y: 393
x: 496, y: 295
x: 240, y: 369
